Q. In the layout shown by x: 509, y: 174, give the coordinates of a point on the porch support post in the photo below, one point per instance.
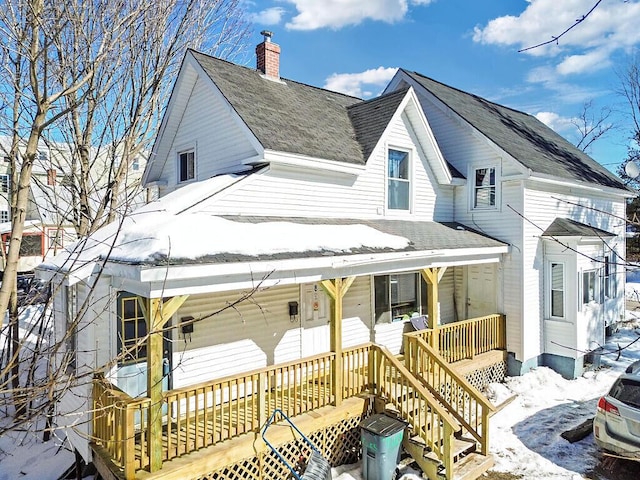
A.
x: 433, y: 276
x: 157, y: 315
x: 337, y: 289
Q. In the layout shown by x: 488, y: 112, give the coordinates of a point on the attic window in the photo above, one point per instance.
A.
x: 186, y: 166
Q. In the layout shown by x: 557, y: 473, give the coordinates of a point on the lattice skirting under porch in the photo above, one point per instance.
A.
x: 484, y: 376
x: 339, y: 443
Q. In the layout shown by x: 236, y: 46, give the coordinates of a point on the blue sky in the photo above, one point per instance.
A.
x: 354, y: 46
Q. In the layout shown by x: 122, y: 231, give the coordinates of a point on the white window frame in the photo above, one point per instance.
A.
x: 594, y: 278
x: 474, y: 188
x: 386, y: 316
x: 5, y: 216
x: 609, y: 276
x: 179, y: 154
x: 550, y: 289
x: 70, y: 309
x: 408, y: 180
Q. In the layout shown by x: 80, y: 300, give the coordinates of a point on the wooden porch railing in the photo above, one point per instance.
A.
x: 355, y: 364
x: 207, y: 413
x: 468, y: 338
x: 463, y: 401
x: 417, y: 405
x: 119, y: 423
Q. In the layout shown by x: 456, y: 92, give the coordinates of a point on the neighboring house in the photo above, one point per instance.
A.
x: 53, y: 199
x: 46, y: 230
x: 308, y: 228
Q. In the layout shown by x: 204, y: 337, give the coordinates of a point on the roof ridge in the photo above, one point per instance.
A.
x: 469, y: 94
x: 400, y: 92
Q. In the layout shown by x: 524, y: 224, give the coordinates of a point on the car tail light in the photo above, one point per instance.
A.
x: 607, y: 407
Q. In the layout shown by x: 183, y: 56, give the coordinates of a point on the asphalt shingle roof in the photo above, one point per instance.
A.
x: 370, y: 118
x: 288, y: 116
x: 522, y: 136
x: 565, y: 227
x: 422, y: 235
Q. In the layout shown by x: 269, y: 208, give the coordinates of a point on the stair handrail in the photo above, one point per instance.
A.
x: 274, y: 450
x: 449, y: 425
x: 416, y: 345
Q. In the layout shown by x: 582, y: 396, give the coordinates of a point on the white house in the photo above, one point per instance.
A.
x: 294, y: 221
x: 561, y: 213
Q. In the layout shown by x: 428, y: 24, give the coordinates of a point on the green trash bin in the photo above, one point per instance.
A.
x: 381, y: 446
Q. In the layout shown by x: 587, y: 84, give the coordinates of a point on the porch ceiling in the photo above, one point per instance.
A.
x: 431, y: 244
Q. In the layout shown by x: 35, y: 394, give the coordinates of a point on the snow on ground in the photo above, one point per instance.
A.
x: 525, y: 434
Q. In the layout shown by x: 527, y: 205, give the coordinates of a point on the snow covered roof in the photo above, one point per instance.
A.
x: 182, y: 228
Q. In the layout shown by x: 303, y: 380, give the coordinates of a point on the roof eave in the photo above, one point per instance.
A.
x: 286, y: 159
x: 155, y: 281
x: 590, y: 186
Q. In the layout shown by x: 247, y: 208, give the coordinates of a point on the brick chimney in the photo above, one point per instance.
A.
x: 268, y: 56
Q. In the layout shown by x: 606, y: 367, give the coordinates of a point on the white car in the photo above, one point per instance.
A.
x: 616, y: 426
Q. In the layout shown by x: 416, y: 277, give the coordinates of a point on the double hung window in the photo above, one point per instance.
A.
x: 484, y: 188
x: 556, y: 284
x: 399, y: 183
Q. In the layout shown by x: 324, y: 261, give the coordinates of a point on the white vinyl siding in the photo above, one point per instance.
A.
x: 287, y: 192
x: 255, y: 333
x: 222, y: 144
x: 543, y: 203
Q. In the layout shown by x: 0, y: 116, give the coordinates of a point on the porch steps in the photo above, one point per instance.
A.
x: 468, y: 464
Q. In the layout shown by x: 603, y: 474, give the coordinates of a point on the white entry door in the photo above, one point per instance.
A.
x: 315, y: 320
x: 481, y: 290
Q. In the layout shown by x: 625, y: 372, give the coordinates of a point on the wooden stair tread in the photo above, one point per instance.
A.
x: 472, y: 466
x: 463, y: 446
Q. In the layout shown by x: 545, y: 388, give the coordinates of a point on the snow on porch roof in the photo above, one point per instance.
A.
x: 183, y: 229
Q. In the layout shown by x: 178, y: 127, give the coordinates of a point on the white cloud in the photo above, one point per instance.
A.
x: 269, y: 16
x: 588, y: 62
x: 314, y: 14
x: 353, y: 83
x: 556, y: 122
x: 610, y: 27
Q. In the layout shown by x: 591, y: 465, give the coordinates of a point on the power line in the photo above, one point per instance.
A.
x: 556, y: 38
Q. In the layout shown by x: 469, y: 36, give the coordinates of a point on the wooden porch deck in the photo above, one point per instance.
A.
x: 206, y: 418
